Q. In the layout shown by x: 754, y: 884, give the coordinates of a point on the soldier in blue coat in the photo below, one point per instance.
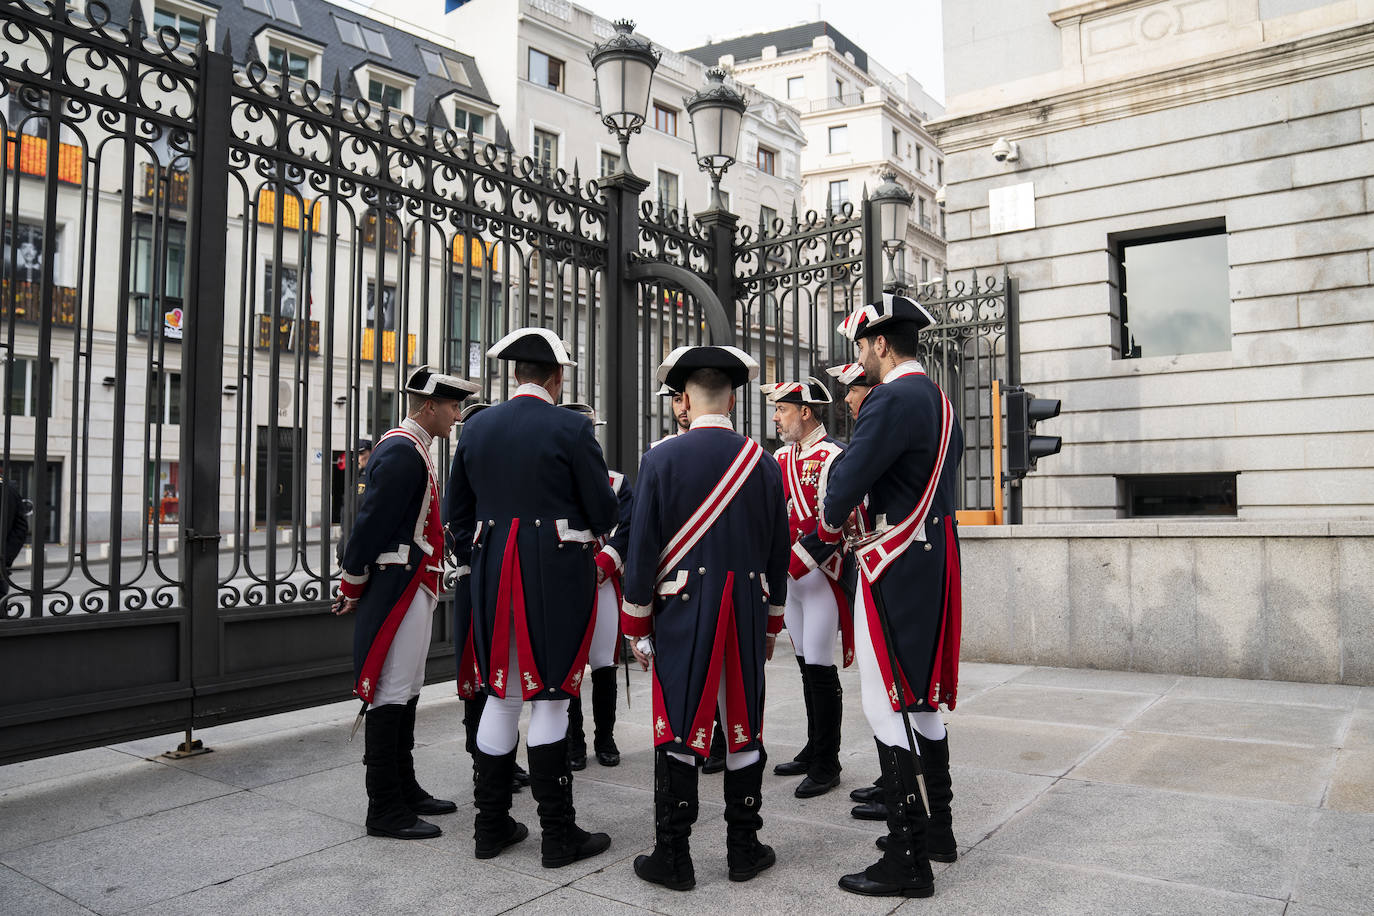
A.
x: 610, y: 563
x: 392, y: 574
x: 528, y: 496
x: 904, y: 456
x: 706, y: 577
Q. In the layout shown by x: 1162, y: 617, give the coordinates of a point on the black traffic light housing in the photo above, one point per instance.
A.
x: 1024, y: 448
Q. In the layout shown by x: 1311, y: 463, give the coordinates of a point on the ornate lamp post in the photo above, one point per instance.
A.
x: 891, y: 205
x: 716, y: 112
x: 624, y: 67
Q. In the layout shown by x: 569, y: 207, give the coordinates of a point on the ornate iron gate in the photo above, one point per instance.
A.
x: 214, y: 279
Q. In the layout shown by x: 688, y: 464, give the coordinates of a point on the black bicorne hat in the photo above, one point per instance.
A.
x: 532, y: 345
x: 886, y: 312
x: 427, y: 382
x: 739, y: 366
x: 810, y: 391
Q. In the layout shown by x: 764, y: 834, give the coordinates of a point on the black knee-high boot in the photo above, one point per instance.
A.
x: 416, y: 798
x: 576, y: 738
x: 940, y: 792
x: 603, y: 716
x: 551, y: 784
x: 799, y: 764
x: 744, y: 853
x: 904, y: 869
x: 827, y: 709
x: 493, y: 828
x: 675, y: 811
x: 387, y: 813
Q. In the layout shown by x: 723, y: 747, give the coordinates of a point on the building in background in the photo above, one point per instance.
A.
x: 124, y: 364
x: 860, y: 120
x: 534, y: 56
x: 1182, y: 190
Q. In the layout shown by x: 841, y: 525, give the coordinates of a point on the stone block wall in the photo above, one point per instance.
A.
x: 1280, y: 600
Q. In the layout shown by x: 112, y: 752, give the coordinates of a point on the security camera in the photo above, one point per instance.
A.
x: 1005, y: 150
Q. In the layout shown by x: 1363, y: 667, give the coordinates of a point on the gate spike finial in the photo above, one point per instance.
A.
x: 576, y: 172
x: 202, y: 35
x: 227, y: 48
x: 137, y: 27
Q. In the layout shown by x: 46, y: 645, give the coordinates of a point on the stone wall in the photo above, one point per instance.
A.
x: 1281, y: 600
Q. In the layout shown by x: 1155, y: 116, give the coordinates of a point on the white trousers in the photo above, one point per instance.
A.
x: 812, y: 618
x: 882, y: 718
x: 602, y: 652
x: 733, y: 761
x: 403, y: 672
x: 499, y: 730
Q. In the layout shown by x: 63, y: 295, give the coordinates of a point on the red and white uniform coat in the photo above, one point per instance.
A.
x: 805, y: 471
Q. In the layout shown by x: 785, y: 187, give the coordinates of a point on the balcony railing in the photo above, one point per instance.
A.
x: 26, y: 302
x: 288, y: 334
x: 369, y: 344
x: 33, y: 157
x: 838, y: 101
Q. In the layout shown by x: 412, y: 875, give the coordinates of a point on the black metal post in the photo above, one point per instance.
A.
x: 204, y: 349
x: 620, y: 347
x: 721, y: 223
x: 873, y: 251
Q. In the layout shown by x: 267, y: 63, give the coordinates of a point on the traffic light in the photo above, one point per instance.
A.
x: 1024, y: 448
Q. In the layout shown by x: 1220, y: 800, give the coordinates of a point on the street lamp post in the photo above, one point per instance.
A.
x: 716, y: 112
x: 624, y: 68
x: 891, y: 204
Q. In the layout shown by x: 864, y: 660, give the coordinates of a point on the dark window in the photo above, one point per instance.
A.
x: 667, y: 190
x: 298, y: 65
x: 188, y: 27
x: 167, y: 397
x: 22, y: 382
x: 665, y: 119
x: 24, y: 249
x: 388, y: 305
x: 170, y: 249
x: 21, y: 473
x: 546, y: 70
x: 1152, y: 495
x: 1173, y: 290
x: 465, y: 120
x: 839, y: 193
x: 384, y: 93
x: 768, y: 161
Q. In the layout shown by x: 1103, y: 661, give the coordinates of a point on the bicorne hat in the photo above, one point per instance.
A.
x: 739, y: 366
x: 532, y: 345
x: 809, y: 391
x: 849, y: 374
x: 425, y: 381
x: 885, y: 313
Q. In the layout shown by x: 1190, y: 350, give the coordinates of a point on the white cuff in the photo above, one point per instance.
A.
x: 807, y: 560
x: 639, y: 610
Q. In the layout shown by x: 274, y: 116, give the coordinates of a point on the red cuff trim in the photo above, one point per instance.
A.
x: 352, y: 590
x: 606, y: 563
x: 827, y: 534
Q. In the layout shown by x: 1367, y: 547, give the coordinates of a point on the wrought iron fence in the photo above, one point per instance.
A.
x: 215, y: 279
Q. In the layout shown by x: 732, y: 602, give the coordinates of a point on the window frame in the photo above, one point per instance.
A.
x: 800, y: 83
x: 556, y: 148
x: 659, y: 174
x: 29, y: 392
x: 830, y: 136
x: 1128, y: 486
x: 1118, y: 243
x: 830, y: 193
x: 766, y: 160
x: 665, y: 115
x: 188, y: 8
x: 562, y: 83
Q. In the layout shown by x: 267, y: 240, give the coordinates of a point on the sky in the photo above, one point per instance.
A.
x: 904, y: 36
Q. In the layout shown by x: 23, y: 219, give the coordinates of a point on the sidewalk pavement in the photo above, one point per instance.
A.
x: 1076, y: 791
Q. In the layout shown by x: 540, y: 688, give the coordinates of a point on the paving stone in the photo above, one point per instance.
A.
x: 1092, y: 679
x: 19, y: 895
x: 361, y: 877
x: 31, y: 772
x: 1030, y: 888
x: 1035, y: 748
x: 123, y: 866
x: 248, y: 762
x: 1243, y: 769
x: 1246, y: 847
x: 1058, y: 704
x: 1361, y: 733
x: 1352, y: 784
x: 567, y: 901
x: 986, y: 799
x: 338, y: 793
x: 1337, y: 872
x: 1315, y: 725
x: 810, y: 862
x: 1334, y: 695
x: 57, y: 808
